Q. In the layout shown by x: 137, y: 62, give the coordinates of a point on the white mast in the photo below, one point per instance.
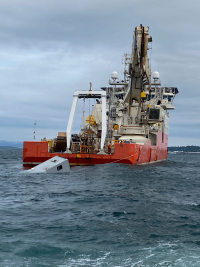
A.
x: 34, y: 130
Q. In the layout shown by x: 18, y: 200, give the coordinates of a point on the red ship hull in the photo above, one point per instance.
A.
x: 128, y: 153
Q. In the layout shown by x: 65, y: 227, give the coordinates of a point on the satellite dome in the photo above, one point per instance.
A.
x: 156, y: 75
x: 114, y: 75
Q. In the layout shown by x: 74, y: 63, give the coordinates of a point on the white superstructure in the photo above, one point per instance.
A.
x: 133, y: 110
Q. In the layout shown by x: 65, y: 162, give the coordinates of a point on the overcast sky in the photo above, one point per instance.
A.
x: 49, y: 49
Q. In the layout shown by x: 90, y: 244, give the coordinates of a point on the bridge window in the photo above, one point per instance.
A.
x: 154, y: 114
x: 170, y: 97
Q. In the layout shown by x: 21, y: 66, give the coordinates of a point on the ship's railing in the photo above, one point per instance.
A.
x: 154, y: 101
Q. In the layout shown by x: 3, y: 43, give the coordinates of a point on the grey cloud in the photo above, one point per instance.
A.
x: 49, y: 49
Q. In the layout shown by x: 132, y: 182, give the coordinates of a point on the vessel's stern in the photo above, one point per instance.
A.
x: 34, y: 152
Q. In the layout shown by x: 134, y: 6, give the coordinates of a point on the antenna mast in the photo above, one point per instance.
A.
x: 34, y: 130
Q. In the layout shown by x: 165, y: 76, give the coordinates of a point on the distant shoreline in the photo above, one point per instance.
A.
x: 10, y: 144
x: 184, y: 148
x: 11, y: 147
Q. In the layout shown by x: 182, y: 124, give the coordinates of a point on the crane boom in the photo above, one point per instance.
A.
x: 139, y: 69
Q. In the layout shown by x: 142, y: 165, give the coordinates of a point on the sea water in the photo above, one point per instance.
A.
x: 105, y: 215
